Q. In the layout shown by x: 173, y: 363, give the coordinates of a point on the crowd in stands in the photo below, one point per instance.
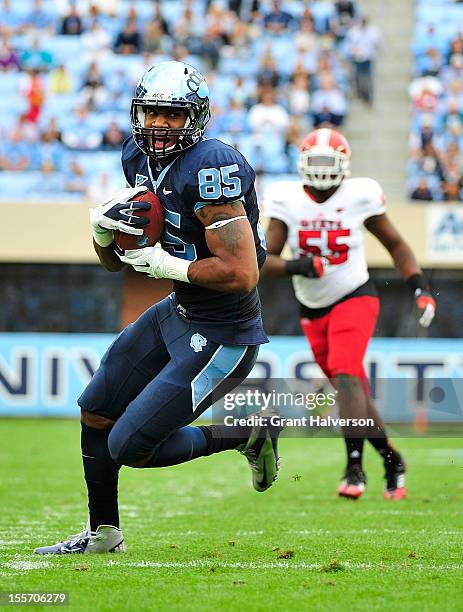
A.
x: 435, y: 168
x: 68, y: 71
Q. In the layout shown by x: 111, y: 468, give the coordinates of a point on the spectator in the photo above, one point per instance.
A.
x: 34, y: 91
x: 425, y: 93
x: 454, y: 71
x: 244, y: 91
x: 60, y: 81
x: 277, y: 20
x: 75, y: 180
x: 294, y: 135
x: 346, y: 11
x: 80, y: 133
x: 432, y: 62
x: 422, y: 190
x: 36, y: 58
x: 51, y: 150
x: 456, y: 46
x: 96, y: 42
x: 93, y: 92
x: 363, y: 41
x: 208, y: 49
x: 329, y: 104
x: 39, y: 19
x: 71, y: 24
x: 307, y: 45
x: 128, y: 41
x: 452, y: 160
x: 51, y: 133
x: 424, y: 134
x: 268, y: 74
x: 298, y: 96
x: 451, y: 190
x: 159, y: 17
x: 154, y: 39
x: 15, y: 154
x: 219, y: 24
x: 268, y: 117
x: 50, y: 182
x: 113, y: 136
x: 235, y: 121
x: 10, y: 21
x: 187, y: 27
x: 427, y: 163
x: 99, y: 187
x: 9, y: 59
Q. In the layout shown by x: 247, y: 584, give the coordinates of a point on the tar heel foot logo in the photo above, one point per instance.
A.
x: 197, y: 342
x: 140, y: 179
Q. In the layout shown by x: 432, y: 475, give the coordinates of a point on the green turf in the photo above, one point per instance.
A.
x: 201, y: 539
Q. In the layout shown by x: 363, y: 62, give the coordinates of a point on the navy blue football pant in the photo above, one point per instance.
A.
x: 156, y: 378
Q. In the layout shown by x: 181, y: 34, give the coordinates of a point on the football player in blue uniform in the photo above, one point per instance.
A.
x: 187, y: 351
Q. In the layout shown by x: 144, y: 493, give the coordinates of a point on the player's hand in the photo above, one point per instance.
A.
x: 310, y: 266
x: 117, y: 213
x: 426, y: 305
x: 157, y: 263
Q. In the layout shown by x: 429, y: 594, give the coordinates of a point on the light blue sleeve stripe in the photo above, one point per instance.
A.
x: 220, y: 366
x: 200, y: 205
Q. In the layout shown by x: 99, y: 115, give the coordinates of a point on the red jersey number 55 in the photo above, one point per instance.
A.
x: 321, y: 242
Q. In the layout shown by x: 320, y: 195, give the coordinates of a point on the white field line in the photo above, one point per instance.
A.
x: 26, y: 566
x: 286, y: 565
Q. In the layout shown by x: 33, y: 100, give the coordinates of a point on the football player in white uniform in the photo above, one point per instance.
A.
x: 321, y: 221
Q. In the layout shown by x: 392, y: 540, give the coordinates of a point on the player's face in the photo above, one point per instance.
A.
x: 164, y: 118
x: 320, y: 196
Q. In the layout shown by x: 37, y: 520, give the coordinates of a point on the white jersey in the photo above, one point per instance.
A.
x: 332, y: 229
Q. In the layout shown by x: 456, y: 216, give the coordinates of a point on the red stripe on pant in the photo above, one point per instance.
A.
x: 339, y: 339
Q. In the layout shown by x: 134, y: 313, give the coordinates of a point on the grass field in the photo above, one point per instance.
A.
x: 201, y: 539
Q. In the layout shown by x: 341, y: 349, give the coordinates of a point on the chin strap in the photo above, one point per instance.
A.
x: 218, y: 224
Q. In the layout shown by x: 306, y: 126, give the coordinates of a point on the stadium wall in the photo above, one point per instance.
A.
x: 44, y: 374
x: 434, y: 231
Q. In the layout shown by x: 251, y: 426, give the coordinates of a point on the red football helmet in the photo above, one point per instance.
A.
x: 324, y: 159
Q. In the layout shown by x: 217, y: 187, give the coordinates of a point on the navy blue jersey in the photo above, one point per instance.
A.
x: 208, y: 173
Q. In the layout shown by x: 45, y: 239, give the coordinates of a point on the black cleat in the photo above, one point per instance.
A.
x: 261, y: 451
x: 395, y: 479
x: 353, y: 482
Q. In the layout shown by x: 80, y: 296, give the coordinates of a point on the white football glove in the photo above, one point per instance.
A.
x: 114, y: 214
x: 157, y: 263
x: 426, y: 305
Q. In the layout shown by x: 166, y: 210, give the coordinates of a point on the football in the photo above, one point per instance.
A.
x: 152, y: 232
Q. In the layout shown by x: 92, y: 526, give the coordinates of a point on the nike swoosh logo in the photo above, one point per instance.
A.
x: 166, y: 191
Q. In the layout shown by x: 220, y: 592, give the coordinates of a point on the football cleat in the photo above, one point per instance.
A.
x: 395, y: 480
x: 261, y: 451
x: 353, y: 483
x: 105, y: 539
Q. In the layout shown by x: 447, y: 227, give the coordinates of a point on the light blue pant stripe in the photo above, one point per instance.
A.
x: 220, y: 366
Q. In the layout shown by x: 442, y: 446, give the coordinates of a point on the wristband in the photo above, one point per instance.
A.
x: 103, y: 237
x: 417, y: 282
x: 176, y: 268
x: 294, y: 267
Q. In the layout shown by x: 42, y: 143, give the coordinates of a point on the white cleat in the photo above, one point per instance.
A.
x: 106, y: 539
